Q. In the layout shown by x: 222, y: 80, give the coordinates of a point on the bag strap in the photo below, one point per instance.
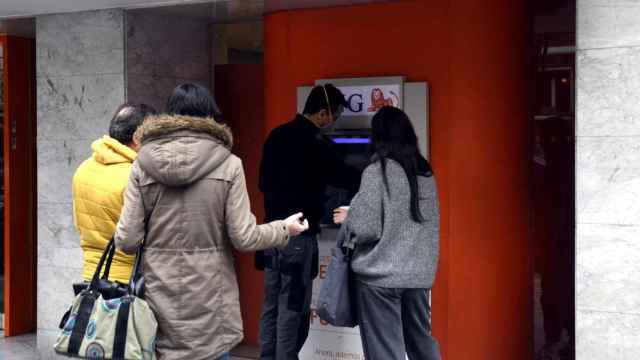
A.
x: 348, y: 244
x: 96, y: 275
x: 81, y: 322
x: 107, y: 266
x: 122, y: 321
x: 136, y: 273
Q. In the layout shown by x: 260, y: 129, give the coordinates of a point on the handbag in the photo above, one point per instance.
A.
x: 122, y: 328
x: 108, y: 289
x: 113, y: 289
x: 336, y: 301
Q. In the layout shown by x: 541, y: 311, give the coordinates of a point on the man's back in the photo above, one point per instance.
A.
x: 98, y: 187
x: 297, y: 165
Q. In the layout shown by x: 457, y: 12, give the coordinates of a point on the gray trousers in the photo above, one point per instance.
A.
x: 286, y: 312
x: 393, y: 321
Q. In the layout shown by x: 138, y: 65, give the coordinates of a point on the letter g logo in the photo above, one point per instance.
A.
x: 355, y: 103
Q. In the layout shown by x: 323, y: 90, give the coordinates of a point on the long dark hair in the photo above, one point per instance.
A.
x: 393, y: 137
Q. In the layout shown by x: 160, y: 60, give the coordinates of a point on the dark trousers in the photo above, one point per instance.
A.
x: 286, y: 312
x: 393, y: 321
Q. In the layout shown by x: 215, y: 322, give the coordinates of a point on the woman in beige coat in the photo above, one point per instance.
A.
x: 193, y: 191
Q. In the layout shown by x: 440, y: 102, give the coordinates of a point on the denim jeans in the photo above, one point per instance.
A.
x: 224, y: 357
x: 395, y: 321
x: 284, y: 325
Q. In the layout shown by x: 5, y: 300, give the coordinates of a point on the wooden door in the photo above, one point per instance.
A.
x: 19, y: 155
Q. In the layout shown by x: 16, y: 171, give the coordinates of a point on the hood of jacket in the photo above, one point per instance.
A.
x: 180, y: 150
x: 109, y: 151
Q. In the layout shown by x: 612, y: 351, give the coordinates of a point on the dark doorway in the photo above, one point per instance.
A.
x: 239, y: 90
x: 553, y: 179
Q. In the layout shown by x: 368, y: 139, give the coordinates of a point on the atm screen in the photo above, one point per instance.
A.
x: 340, y: 140
x: 355, y: 151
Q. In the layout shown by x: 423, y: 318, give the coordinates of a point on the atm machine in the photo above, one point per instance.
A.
x: 350, y: 137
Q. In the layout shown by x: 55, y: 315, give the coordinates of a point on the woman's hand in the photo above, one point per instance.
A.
x: 340, y: 214
x: 295, y: 225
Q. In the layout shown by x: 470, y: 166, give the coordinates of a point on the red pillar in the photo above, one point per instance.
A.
x: 490, y: 272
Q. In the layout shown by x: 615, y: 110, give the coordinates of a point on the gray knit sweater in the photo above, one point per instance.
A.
x: 393, y: 251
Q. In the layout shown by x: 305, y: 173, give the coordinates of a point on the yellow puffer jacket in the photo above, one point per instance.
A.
x: 98, y: 188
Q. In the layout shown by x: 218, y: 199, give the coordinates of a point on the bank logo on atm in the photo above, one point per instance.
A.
x: 367, y: 100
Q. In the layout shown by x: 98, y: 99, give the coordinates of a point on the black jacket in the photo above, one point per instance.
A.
x: 297, y: 165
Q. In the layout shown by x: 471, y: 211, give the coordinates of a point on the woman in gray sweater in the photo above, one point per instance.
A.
x: 395, y: 218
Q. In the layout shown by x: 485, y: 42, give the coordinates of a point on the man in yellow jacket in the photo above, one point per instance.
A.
x: 98, y: 188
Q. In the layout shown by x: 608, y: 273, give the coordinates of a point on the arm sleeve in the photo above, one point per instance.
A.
x: 242, y: 229
x: 366, y: 212
x: 265, y: 165
x: 339, y: 174
x: 131, y: 228
x: 74, y: 197
x: 75, y: 215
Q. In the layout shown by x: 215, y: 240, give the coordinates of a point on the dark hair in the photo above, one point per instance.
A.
x: 193, y: 100
x: 320, y: 98
x: 393, y: 137
x: 126, y: 120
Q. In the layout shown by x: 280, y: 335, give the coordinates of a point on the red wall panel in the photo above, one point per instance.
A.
x: 239, y: 92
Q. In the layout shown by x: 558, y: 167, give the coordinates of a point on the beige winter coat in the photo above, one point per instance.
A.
x: 195, y: 191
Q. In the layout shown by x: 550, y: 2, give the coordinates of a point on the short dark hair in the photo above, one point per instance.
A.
x: 193, y: 100
x: 321, y: 97
x: 126, y: 120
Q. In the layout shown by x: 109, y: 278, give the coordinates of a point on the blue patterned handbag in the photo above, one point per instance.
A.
x: 95, y: 327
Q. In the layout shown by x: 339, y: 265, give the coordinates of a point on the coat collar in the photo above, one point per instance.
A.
x: 167, y: 125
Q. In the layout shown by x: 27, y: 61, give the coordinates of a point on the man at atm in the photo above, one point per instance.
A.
x: 297, y: 165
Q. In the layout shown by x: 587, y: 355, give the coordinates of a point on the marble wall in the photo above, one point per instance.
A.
x: 80, y: 83
x: 608, y: 180
x: 163, y: 51
x: 88, y: 63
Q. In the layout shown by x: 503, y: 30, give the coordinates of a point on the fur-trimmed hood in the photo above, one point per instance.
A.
x: 161, y: 125
x: 180, y: 150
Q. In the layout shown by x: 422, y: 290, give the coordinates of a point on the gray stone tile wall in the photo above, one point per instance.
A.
x: 80, y: 82
x: 162, y: 52
x: 608, y: 180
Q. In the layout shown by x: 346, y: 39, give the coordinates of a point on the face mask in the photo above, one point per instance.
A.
x: 328, y: 127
